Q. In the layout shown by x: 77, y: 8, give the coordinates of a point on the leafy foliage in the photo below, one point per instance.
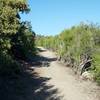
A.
x: 8, y: 66
x: 15, y: 36
x: 76, y: 45
x: 24, y: 41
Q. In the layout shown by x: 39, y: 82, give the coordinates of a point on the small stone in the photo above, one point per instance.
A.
x: 87, y: 76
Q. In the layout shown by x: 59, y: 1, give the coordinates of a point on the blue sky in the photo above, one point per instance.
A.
x: 50, y: 17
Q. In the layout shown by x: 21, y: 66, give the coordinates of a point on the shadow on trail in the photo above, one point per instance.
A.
x: 29, y: 85
x: 40, y: 61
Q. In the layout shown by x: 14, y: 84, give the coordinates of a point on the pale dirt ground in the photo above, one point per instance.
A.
x: 68, y: 85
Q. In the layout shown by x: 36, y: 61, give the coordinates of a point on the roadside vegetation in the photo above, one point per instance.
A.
x: 16, y: 37
x: 78, y: 47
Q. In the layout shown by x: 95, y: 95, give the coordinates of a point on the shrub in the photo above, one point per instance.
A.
x: 8, y: 66
x: 76, y: 46
x: 96, y: 65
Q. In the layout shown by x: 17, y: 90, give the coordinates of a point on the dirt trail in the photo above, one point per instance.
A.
x: 68, y: 86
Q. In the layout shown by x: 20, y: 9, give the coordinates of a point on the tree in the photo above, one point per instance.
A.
x: 12, y: 28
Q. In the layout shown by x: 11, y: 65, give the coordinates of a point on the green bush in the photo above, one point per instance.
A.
x: 8, y: 66
x: 96, y: 65
x: 16, y: 37
x: 76, y: 45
